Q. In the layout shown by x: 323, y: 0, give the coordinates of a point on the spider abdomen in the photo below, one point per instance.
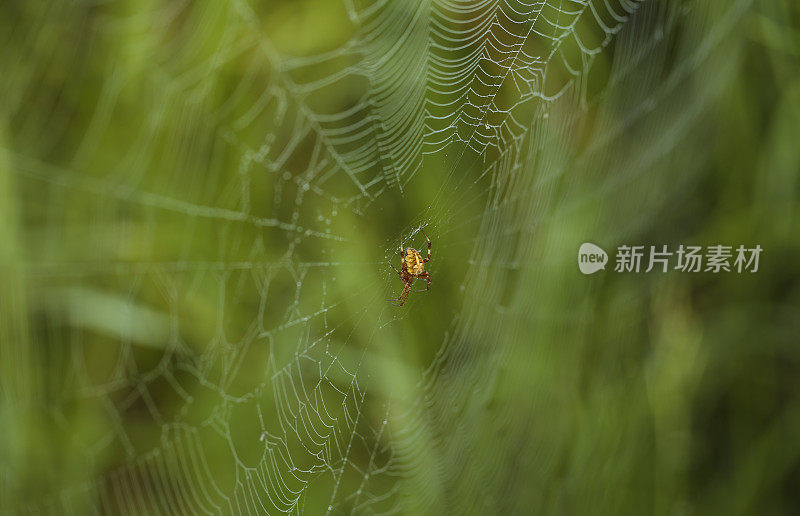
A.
x: 413, y: 262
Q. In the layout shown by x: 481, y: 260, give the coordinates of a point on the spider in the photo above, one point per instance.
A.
x: 413, y: 268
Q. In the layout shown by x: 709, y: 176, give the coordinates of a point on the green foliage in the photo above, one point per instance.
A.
x: 198, y: 201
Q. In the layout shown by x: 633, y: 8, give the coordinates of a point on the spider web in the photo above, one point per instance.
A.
x: 195, y: 310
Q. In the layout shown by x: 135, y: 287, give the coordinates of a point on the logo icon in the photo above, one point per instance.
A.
x: 591, y: 258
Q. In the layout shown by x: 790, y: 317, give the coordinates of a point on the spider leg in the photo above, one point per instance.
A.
x: 403, y: 295
x: 395, y: 269
x: 426, y: 277
x: 429, y: 246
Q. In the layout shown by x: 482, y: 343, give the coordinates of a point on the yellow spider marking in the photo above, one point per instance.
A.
x: 414, y: 263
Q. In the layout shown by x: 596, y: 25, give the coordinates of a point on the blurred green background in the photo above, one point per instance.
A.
x: 199, y: 202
